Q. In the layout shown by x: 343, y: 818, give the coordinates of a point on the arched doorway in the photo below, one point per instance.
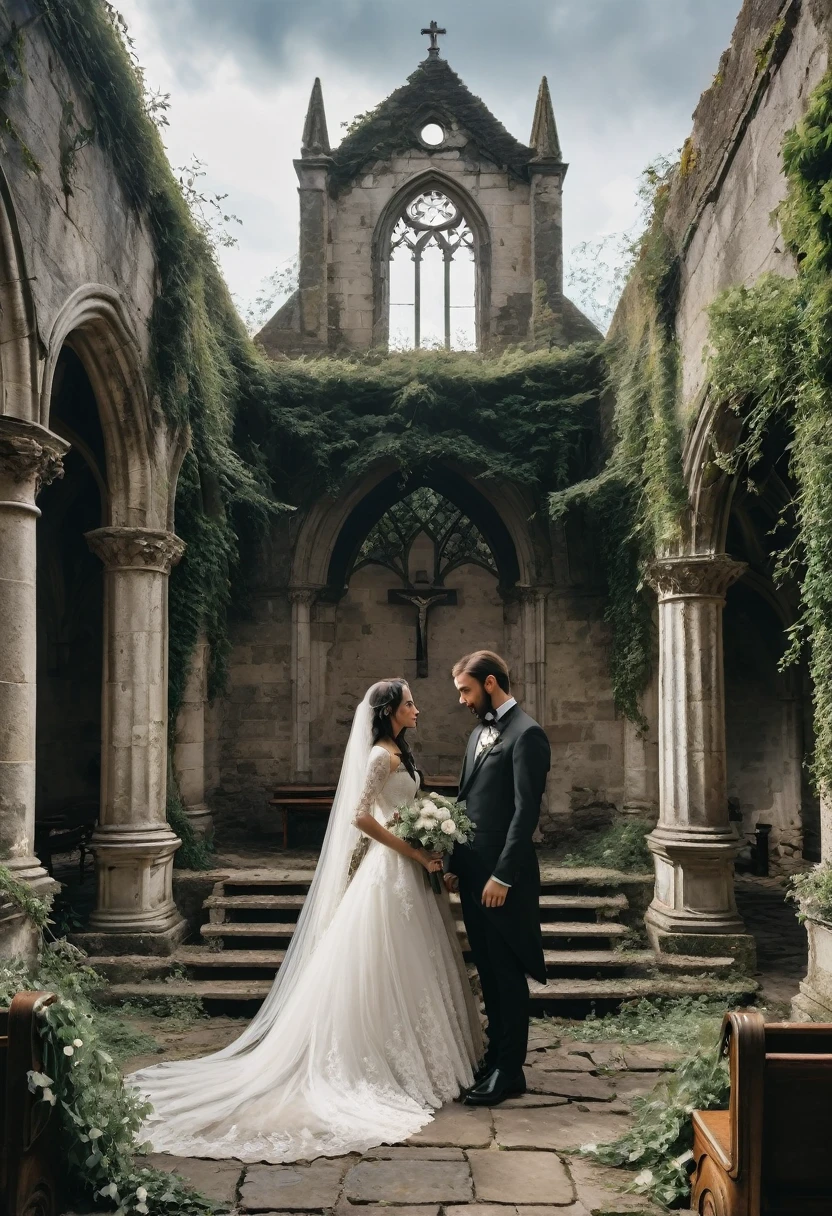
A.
x: 767, y: 706
x: 70, y: 612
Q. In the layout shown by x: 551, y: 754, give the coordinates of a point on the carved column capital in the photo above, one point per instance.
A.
x: 700, y: 576
x: 303, y: 595
x: 28, y: 450
x: 136, y: 548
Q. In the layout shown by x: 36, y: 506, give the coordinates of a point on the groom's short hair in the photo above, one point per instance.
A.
x: 481, y: 664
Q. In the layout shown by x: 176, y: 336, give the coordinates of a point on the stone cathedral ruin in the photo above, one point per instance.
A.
x: 432, y: 233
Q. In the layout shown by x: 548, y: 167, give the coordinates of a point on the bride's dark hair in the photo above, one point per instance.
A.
x: 385, y: 699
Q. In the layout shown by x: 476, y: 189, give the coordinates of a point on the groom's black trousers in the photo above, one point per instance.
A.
x: 505, y: 989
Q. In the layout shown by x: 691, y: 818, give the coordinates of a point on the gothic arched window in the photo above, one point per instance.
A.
x: 432, y: 276
x: 456, y: 541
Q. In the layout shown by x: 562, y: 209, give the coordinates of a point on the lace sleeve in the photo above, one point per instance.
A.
x: 378, y: 770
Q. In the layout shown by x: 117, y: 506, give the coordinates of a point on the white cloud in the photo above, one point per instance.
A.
x: 239, y: 91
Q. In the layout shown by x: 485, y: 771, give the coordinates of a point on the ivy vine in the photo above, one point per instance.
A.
x: 99, y: 1118
x: 771, y: 361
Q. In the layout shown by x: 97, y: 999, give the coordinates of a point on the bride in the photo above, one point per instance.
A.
x: 370, y: 1024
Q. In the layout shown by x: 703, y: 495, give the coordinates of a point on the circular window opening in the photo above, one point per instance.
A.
x: 432, y: 134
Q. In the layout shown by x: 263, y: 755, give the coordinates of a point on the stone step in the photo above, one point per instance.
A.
x: 588, y: 930
x: 583, y: 928
x: 551, y: 903
x: 275, y: 903
x: 630, y: 988
x: 195, y: 956
x: 593, y: 903
x: 562, y: 994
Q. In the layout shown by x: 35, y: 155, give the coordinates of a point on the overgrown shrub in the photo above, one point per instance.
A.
x: 622, y: 846
x: 813, y: 893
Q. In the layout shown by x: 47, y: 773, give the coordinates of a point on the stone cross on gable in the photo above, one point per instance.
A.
x: 433, y: 31
x: 423, y: 597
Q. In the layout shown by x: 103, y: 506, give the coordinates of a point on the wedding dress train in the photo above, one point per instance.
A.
x: 371, y: 1026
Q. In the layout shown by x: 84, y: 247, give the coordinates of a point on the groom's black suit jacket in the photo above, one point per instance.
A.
x: 502, y: 789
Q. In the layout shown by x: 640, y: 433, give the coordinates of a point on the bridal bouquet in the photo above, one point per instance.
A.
x: 434, y: 823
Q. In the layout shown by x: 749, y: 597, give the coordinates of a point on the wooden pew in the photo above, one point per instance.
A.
x: 303, y: 797
x: 770, y: 1153
x: 29, y: 1162
x: 306, y: 798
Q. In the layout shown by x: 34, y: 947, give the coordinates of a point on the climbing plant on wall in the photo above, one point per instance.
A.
x: 771, y: 361
x: 267, y: 437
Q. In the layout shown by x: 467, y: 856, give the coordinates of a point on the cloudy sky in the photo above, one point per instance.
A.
x: 624, y: 75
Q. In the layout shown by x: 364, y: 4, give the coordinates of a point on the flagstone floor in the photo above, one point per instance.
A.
x: 514, y: 1160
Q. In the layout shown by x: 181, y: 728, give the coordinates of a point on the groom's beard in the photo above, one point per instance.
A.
x: 485, y: 710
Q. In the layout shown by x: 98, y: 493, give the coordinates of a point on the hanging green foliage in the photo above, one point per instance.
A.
x: 771, y: 361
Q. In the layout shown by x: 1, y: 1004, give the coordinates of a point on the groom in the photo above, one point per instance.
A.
x: 502, y: 782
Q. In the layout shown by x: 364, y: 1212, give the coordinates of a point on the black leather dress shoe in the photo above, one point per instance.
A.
x: 496, y: 1087
x: 485, y: 1070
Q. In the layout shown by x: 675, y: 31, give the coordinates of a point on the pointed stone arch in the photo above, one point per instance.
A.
x: 327, y: 542
x: 420, y: 182
x: 143, y: 456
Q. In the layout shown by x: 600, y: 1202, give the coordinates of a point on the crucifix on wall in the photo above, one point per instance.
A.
x: 423, y: 597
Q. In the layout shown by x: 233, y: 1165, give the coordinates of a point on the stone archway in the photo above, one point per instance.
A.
x: 30, y: 456
x: 133, y: 843
x: 326, y: 546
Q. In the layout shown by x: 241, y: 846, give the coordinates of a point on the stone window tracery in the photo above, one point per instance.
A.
x: 432, y: 276
x: 456, y: 540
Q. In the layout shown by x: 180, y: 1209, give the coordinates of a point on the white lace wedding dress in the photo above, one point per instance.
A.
x: 371, y: 1028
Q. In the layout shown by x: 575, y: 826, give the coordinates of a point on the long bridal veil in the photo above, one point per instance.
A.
x: 327, y: 887
x: 192, y: 1094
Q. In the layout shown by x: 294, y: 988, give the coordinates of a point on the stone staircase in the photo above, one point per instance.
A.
x: 590, y: 920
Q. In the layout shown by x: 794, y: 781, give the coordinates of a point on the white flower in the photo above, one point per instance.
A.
x: 95, y: 1132
x: 449, y: 827
x: 587, y: 1148
x: 645, y: 1178
x: 48, y: 1096
x: 69, y: 1051
x: 141, y: 1194
x: 37, y: 1080
x: 77, y: 1042
x: 143, y: 1208
x: 110, y: 1191
x: 433, y: 797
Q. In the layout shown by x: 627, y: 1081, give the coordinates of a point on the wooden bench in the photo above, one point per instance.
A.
x: 301, y: 796
x: 65, y: 830
x: 29, y: 1160
x: 317, y: 799
x: 770, y: 1153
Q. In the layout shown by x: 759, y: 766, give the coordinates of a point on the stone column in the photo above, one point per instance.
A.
x: 533, y: 634
x: 134, y: 846
x: 694, y: 845
x: 302, y: 600
x: 189, y: 743
x: 30, y: 456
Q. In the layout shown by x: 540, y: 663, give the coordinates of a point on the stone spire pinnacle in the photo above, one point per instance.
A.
x: 544, y: 136
x: 315, y: 141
